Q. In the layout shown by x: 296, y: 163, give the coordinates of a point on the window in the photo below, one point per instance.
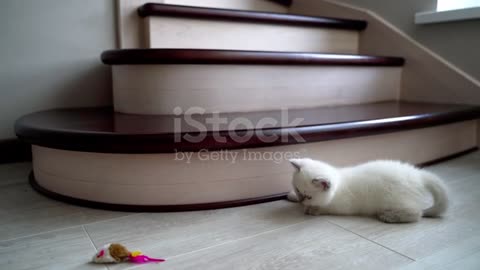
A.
x: 450, y: 10
x: 443, y: 5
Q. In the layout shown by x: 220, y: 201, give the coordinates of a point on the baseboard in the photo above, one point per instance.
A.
x: 14, y: 150
x: 447, y: 158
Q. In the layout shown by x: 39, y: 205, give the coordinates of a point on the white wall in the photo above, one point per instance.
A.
x: 457, y: 42
x: 50, y: 56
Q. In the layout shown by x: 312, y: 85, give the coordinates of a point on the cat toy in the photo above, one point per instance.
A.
x: 117, y: 253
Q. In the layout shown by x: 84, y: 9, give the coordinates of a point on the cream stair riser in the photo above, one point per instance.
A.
x: 159, y: 89
x: 159, y: 179
x: 170, y: 32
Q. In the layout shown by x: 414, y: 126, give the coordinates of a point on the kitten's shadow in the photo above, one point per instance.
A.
x: 290, y: 212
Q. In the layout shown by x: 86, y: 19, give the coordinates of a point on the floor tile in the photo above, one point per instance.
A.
x: 172, y: 234
x: 314, y: 244
x: 14, y: 173
x: 62, y: 250
x: 466, y: 253
x: 24, y: 212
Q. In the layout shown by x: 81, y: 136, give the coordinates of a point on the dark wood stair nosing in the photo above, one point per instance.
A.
x: 104, y: 142
x: 155, y: 9
x: 239, y: 57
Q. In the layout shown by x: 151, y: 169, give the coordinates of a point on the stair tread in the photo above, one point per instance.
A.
x: 102, y: 130
x: 238, y: 57
x: 154, y: 9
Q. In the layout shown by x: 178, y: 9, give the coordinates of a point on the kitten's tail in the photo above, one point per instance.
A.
x: 439, y: 192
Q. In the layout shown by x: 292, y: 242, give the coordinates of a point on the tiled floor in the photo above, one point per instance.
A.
x: 38, y: 233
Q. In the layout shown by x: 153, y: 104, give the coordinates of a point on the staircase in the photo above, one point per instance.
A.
x: 208, y: 114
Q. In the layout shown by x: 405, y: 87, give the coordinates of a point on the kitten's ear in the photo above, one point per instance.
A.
x: 297, y: 163
x: 321, y: 183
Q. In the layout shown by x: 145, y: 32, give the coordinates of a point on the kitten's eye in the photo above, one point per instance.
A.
x: 321, y: 183
x: 317, y: 181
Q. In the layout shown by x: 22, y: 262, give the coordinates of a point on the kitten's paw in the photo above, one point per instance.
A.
x: 312, y: 211
x: 292, y: 196
x: 399, y: 215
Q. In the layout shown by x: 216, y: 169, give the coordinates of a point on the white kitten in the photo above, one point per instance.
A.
x: 393, y: 191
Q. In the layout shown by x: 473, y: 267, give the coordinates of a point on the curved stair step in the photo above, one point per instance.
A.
x: 98, y: 158
x: 101, y: 130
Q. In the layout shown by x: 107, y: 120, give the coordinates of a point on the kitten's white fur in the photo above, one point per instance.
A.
x: 393, y: 191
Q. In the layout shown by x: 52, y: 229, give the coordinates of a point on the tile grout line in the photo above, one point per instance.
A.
x: 91, y: 242
x: 376, y: 243
x: 89, y: 237
x: 66, y: 228
x: 225, y: 243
